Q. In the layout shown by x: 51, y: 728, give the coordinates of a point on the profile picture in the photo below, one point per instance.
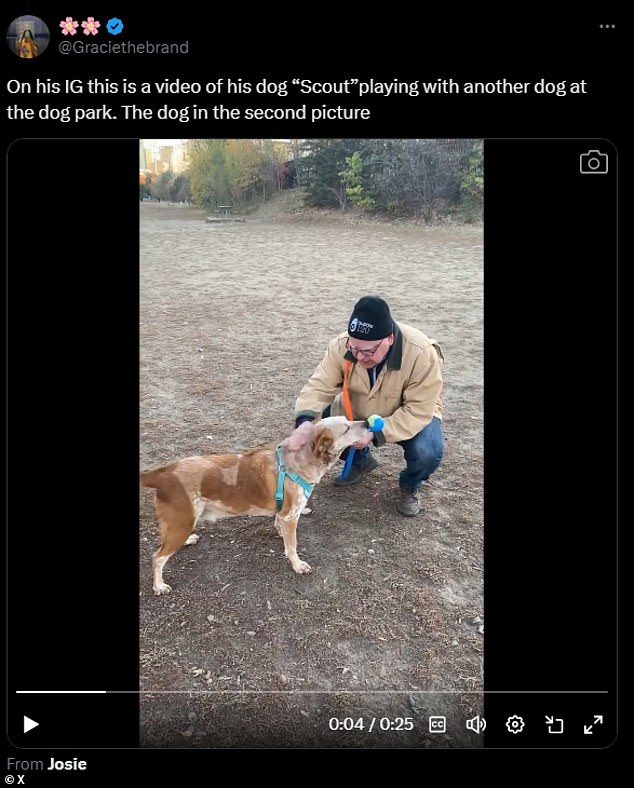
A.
x: 28, y: 36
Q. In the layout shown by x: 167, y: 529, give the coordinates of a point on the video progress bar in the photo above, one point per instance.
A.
x: 311, y: 692
x: 61, y: 692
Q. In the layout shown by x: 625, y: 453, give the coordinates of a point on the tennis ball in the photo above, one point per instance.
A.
x: 375, y: 423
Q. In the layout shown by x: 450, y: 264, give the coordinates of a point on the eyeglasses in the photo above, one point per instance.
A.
x: 357, y: 351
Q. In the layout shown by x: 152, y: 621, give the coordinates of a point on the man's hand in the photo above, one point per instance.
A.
x: 364, y: 441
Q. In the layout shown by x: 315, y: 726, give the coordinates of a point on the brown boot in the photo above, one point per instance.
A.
x: 408, y: 502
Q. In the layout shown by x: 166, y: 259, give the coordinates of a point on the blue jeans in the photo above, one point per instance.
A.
x: 423, y: 454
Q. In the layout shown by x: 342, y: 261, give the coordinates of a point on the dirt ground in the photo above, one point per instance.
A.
x: 388, y: 629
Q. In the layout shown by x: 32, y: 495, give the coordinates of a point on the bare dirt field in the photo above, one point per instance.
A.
x: 388, y: 629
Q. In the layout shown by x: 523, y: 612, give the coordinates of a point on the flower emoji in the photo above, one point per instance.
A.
x: 68, y: 26
x: 90, y: 26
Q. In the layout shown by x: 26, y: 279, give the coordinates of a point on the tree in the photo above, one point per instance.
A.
x: 353, y: 177
x: 208, y: 175
x: 243, y: 170
x: 161, y: 188
x: 180, y: 190
x: 295, y: 147
x: 472, y: 185
x: 145, y: 182
x: 320, y: 170
x: 273, y: 154
x: 238, y: 172
x: 415, y: 177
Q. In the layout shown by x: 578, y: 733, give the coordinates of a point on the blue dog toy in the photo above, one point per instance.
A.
x: 374, y: 424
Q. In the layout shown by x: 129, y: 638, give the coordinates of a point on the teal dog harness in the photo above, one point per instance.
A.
x: 282, y: 471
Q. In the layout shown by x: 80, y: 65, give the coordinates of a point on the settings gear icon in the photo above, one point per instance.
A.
x: 515, y: 724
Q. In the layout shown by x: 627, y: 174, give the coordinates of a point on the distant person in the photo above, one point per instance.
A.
x: 27, y: 45
x: 388, y: 369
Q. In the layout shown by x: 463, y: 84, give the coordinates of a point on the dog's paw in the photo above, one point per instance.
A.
x: 193, y: 539
x: 163, y: 588
x: 307, y: 510
x: 302, y: 568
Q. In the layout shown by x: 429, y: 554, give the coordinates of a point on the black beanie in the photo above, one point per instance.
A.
x: 370, y: 319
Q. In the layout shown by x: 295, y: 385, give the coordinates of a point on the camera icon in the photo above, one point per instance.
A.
x: 593, y: 163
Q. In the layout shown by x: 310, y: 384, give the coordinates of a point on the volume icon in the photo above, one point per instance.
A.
x: 477, y: 724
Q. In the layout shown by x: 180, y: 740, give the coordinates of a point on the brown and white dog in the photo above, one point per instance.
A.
x: 229, y: 485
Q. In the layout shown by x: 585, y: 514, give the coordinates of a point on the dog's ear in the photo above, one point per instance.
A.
x: 323, y: 446
x: 302, y: 436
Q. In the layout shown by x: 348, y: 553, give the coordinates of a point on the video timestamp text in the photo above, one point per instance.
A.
x: 371, y: 723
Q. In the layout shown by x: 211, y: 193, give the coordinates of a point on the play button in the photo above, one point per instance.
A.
x: 29, y: 724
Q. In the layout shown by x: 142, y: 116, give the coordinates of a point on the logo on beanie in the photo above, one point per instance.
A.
x: 358, y: 327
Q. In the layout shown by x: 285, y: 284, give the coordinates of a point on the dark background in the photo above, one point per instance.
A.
x: 550, y: 358
x: 522, y: 47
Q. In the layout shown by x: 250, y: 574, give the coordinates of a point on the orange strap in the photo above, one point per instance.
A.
x: 347, y: 406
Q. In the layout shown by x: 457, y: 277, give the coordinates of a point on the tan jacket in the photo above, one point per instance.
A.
x: 406, y: 393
